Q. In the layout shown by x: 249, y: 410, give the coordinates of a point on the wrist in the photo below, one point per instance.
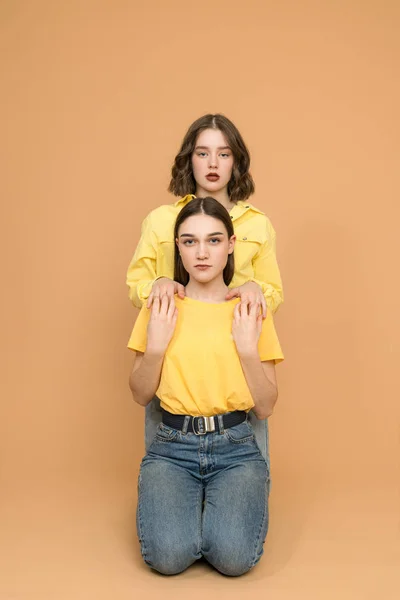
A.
x: 154, y: 354
x: 249, y: 354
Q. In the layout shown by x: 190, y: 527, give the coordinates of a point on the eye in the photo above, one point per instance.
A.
x: 188, y: 242
x: 215, y: 241
x: 202, y: 154
x: 225, y: 154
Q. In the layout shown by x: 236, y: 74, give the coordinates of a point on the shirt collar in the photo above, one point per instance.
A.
x: 244, y: 204
x: 184, y: 200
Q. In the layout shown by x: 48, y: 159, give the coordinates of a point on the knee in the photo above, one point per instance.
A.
x: 228, y: 560
x: 168, y: 558
x: 173, y: 563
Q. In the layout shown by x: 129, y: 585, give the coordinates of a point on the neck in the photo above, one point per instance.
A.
x: 221, y: 196
x: 212, y: 291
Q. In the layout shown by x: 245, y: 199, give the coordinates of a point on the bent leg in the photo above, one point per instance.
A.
x: 168, y: 515
x: 235, y: 517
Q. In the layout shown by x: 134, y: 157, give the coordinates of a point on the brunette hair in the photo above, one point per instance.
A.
x: 241, y: 184
x: 212, y: 208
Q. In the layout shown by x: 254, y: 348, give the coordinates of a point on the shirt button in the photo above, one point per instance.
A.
x: 247, y: 206
x: 245, y: 238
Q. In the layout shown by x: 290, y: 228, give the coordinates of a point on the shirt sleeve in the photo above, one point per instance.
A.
x: 142, y: 268
x: 269, y: 347
x: 266, y: 271
x: 138, y: 339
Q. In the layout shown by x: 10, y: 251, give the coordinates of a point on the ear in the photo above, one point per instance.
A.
x: 231, y: 244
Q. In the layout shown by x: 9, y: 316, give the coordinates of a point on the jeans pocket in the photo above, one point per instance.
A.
x: 240, y: 434
x: 165, y: 433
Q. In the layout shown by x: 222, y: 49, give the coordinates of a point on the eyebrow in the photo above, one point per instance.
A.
x: 207, y: 148
x: 191, y: 235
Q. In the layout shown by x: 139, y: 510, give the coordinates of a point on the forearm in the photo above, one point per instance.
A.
x: 263, y: 391
x: 145, y: 380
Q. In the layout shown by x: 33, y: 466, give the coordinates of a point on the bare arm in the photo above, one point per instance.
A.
x: 146, y: 372
x: 145, y: 376
x: 261, y: 379
x: 260, y: 376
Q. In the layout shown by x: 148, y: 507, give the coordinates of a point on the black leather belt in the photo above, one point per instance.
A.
x: 202, y: 425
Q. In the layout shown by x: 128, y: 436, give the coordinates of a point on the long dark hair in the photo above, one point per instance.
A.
x: 241, y: 184
x: 212, y: 208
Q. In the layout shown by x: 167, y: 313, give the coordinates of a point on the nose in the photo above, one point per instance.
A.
x: 213, y: 161
x: 202, y: 252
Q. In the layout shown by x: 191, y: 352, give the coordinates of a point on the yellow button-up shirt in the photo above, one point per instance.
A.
x: 255, y: 258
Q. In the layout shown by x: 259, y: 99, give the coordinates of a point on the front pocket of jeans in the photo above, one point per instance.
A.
x: 166, y: 434
x: 240, y: 434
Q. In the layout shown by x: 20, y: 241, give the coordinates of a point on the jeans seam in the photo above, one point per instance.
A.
x: 200, y: 522
x: 140, y: 527
x: 257, y: 548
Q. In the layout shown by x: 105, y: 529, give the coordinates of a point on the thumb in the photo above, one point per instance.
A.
x: 233, y: 293
x: 180, y: 289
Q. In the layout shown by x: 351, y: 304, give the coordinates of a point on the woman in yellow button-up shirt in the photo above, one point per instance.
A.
x: 213, y: 161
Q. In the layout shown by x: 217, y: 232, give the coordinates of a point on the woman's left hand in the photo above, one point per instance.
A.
x: 246, y: 329
x: 250, y: 294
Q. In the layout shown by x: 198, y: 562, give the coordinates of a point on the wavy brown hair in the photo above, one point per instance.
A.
x: 203, y: 206
x: 241, y: 184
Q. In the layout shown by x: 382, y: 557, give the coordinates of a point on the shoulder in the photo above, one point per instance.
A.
x: 256, y: 222
x: 161, y: 212
x: 160, y: 221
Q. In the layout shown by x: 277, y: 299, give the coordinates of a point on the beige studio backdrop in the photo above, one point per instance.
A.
x: 96, y: 97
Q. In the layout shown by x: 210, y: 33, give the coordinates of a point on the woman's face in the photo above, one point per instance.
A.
x: 212, y: 162
x: 204, y: 246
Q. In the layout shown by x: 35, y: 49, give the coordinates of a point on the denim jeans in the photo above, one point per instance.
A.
x: 203, y: 495
x: 153, y: 419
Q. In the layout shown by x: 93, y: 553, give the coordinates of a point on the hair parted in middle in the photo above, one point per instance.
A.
x: 203, y: 206
x: 241, y: 184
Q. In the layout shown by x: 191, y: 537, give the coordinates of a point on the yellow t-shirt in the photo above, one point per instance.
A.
x: 201, y: 373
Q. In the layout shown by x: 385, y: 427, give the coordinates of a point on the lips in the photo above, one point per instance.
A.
x: 212, y: 177
x: 202, y: 267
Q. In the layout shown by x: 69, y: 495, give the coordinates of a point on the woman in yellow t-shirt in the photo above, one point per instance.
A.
x: 204, y: 484
x: 213, y: 160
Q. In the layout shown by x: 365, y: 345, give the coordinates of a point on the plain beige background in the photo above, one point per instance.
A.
x: 96, y: 97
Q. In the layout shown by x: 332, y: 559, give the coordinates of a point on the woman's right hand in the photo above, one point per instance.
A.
x: 161, y: 326
x: 165, y: 287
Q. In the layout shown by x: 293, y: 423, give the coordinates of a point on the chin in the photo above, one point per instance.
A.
x: 217, y: 186
x: 202, y: 277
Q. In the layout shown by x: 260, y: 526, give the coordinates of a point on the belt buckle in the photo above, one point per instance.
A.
x: 208, y: 422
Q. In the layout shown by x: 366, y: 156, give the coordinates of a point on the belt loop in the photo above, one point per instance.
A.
x: 185, y: 425
x: 221, y: 423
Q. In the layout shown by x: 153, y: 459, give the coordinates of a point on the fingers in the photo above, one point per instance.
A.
x: 254, y: 310
x: 171, y: 307
x: 236, y: 312
x: 155, y: 308
x: 264, y: 307
x: 150, y: 300
x: 244, y: 307
x: 180, y: 290
x: 233, y: 293
x: 165, y: 302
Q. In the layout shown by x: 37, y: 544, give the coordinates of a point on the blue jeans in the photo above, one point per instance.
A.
x: 153, y: 419
x: 203, y: 495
